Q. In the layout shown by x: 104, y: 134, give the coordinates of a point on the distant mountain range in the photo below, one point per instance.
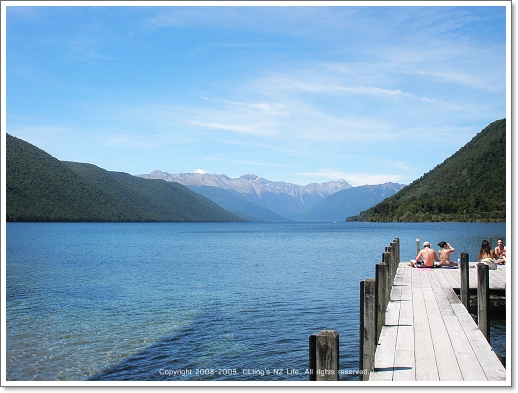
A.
x: 43, y: 188
x: 343, y: 204
x: 260, y: 199
x: 468, y: 186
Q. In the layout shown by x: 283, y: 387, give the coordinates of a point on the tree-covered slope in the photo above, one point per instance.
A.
x: 468, y: 186
x: 164, y: 201
x: 39, y: 187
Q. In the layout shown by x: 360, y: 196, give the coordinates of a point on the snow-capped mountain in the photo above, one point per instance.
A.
x: 287, y: 200
x: 253, y: 184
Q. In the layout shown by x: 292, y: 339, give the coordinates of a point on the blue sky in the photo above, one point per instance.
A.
x: 301, y: 94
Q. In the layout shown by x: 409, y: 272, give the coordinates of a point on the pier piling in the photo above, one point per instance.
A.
x: 367, y: 326
x: 464, y: 279
x: 382, y: 295
x: 483, y: 298
x: 324, y: 356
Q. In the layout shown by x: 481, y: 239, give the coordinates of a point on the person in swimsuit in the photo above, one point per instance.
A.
x: 445, y: 254
x: 426, y: 257
x: 500, y: 252
x: 487, y: 255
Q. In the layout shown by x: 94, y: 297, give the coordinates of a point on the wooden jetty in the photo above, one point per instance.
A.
x: 429, y: 335
x: 416, y: 330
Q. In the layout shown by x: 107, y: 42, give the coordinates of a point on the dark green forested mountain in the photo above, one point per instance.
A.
x: 42, y: 188
x: 468, y: 186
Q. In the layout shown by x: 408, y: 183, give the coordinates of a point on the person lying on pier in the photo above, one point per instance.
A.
x: 426, y: 257
x: 445, y: 253
x: 487, y: 255
x: 500, y: 252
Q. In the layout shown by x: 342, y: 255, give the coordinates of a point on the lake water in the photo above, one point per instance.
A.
x: 196, y: 301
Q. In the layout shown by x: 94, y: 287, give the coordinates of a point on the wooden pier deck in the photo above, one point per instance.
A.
x: 428, y: 333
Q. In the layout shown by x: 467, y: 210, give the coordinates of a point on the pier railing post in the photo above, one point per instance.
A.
x: 398, y: 255
x: 387, y: 258
x: 324, y: 356
x: 382, y: 278
x: 417, y: 246
x: 393, y: 261
x: 398, y: 250
x: 367, y: 327
x: 464, y: 279
x: 483, y: 298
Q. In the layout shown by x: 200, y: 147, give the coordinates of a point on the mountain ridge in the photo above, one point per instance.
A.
x: 350, y: 202
x: 281, y: 199
x: 247, y: 182
x: 468, y: 186
x: 40, y: 187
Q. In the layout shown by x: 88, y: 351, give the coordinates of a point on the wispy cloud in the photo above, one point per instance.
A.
x: 256, y: 129
x: 356, y: 90
x: 88, y: 48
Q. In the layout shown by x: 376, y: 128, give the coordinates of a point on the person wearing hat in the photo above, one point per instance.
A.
x: 426, y: 257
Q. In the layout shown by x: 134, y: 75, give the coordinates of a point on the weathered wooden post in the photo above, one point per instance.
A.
x: 324, y: 356
x: 367, y: 327
x: 382, y: 280
x: 393, y: 260
x: 398, y: 255
x: 417, y: 246
x: 390, y: 260
x: 464, y: 279
x: 398, y: 250
x: 483, y: 298
x: 386, y: 258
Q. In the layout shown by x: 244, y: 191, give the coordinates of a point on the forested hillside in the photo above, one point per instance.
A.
x: 468, y: 186
x: 39, y: 187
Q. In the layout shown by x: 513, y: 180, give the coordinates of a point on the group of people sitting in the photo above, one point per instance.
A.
x: 427, y: 257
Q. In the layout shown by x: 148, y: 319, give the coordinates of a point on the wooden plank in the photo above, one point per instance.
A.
x: 430, y: 335
x: 447, y: 365
x: 425, y: 364
x: 425, y: 277
x: 498, y: 277
x: 464, y: 354
x: 442, y: 275
x: 453, y: 277
x: 404, y: 359
x: 468, y: 363
x: 404, y: 362
x: 385, y: 353
x: 404, y: 365
x: 491, y: 366
x: 393, y: 306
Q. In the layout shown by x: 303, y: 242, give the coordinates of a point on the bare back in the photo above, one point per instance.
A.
x: 428, y: 256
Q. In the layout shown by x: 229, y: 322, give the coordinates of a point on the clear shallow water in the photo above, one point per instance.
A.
x: 196, y: 301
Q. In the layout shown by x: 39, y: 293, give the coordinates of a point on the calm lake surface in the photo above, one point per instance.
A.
x: 197, y: 301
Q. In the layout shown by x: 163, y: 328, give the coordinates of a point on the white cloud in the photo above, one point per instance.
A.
x: 256, y: 129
